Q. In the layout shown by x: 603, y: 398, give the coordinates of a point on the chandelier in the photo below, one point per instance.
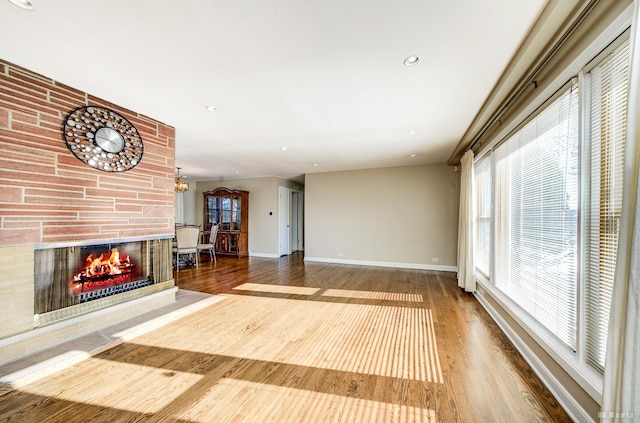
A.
x: 180, y: 186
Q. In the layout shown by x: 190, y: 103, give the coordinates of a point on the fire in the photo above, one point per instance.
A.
x: 114, y: 265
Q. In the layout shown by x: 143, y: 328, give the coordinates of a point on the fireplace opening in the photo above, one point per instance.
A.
x: 67, y: 276
x: 108, y: 270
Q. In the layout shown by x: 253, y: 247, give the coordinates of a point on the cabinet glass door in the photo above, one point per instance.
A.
x: 226, y: 213
x: 236, y: 214
x: 213, y: 212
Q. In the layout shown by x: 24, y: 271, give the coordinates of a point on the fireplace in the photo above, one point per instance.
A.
x: 74, y: 279
x: 109, y: 269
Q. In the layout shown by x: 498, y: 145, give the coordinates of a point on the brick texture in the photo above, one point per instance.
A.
x: 47, y: 195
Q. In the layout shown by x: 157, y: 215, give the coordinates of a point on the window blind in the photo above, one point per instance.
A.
x: 607, y: 132
x: 536, y: 225
x: 483, y: 216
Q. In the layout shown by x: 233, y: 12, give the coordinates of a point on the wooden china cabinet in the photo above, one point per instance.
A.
x: 230, y: 209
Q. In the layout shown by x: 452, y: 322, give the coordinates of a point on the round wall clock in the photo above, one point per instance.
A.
x: 102, y: 139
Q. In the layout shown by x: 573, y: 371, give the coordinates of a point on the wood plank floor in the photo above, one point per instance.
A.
x: 303, y: 342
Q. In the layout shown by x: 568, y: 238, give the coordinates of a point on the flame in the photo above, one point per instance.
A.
x: 114, y: 265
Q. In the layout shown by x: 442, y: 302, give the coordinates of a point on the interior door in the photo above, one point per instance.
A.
x: 284, y: 221
x: 296, y: 221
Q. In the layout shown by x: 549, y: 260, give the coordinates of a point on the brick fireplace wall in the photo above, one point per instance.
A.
x: 49, y: 196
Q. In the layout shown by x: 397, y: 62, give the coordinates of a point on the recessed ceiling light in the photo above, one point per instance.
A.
x: 283, y: 148
x: 413, y: 132
x: 211, y: 108
x: 315, y: 164
x: 24, y: 4
x: 412, y: 155
x: 411, y: 61
x: 236, y: 172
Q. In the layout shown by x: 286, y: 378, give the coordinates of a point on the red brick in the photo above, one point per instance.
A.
x: 143, y: 121
x: 134, y: 208
x: 20, y: 236
x: 71, y: 192
x: 159, y: 196
x: 30, y: 214
x: 143, y: 202
x: 112, y: 194
x: 24, y: 73
x: 141, y: 221
x: 53, y: 229
x: 27, y: 140
x: 104, y: 218
x: 18, y: 151
x: 31, y: 118
x: 10, y: 195
x: 167, y: 131
x: 22, y: 224
x: 67, y: 161
x: 163, y: 183
x: 63, y: 102
x: 23, y: 82
x: 81, y: 237
x: 62, y: 94
x: 15, y: 88
x: 24, y: 103
x: 42, y: 181
x: 125, y: 180
x: 128, y: 233
x: 55, y: 119
x: 158, y: 211
x: 70, y: 92
x: 153, y: 169
x: 71, y: 204
x: 4, y: 118
x: 27, y: 167
x: 36, y: 130
x: 160, y: 150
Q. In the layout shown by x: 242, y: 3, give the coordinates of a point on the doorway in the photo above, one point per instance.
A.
x: 297, y: 215
x: 290, y: 221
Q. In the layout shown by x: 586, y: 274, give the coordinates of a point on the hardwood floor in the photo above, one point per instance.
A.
x: 303, y: 342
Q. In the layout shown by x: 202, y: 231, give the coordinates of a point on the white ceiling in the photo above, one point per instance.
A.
x: 323, y: 78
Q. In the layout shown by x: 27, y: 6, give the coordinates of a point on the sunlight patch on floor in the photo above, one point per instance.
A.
x: 244, y: 401
x: 277, y: 289
x: 145, y: 389
x: 370, y: 339
x: 372, y: 295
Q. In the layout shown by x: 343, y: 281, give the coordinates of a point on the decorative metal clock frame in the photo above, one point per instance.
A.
x: 103, y: 139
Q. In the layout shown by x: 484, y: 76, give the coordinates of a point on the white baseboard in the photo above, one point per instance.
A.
x: 566, y: 400
x: 264, y: 255
x: 418, y: 266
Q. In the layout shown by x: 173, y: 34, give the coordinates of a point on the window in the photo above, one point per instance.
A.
x: 536, y: 216
x: 607, y: 131
x: 556, y: 187
x: 483, y: 216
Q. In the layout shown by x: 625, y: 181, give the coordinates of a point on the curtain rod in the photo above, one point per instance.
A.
x: 530, y: 77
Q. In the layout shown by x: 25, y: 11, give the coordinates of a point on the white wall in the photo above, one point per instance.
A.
x: 404, y: 216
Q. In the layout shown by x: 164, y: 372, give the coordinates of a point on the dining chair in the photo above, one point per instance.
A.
x: 211, y: 245
x: 186, y: 243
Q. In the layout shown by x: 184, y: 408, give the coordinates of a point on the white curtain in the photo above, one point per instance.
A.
x: 466, y: 279
x: 621, y: 390
x: 179, y: 208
